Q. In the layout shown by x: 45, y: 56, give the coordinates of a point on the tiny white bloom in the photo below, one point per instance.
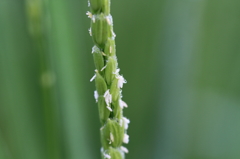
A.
x: 108, y: 97
x: 126, y: 122
x: 116, y: 72
x: 110, y: 109
x: 89, y: 14
x: 122, y: 104
x: 96, y: 96
x: 126, y: 138
x: 90, y: 31
x: 110, y: 49
x: 93, y: 18
x: 121, y: 81
x: 104, y: 54
x: 120, y: 122
x: 114, y: 35
x: 121, y: 93
x: 93, y: 49
x: 109, y: 19
x: 103, y: 68
x: 111, y: 137
x: 106, y: 156
x: 124, y: 149
x: 93, y: 78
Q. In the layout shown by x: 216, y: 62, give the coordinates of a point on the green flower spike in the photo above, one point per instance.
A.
x: 108, y: 82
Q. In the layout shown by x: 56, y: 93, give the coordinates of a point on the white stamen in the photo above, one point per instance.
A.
x: 110, y: 49
x: 124, y: 149
x: 89, y: 14
x: 126, y: 138
x: 111, y: 137
x: 120, y: 93
x: 106, y: 156
x: 103, y: 68
x: 95, y: 49
x: 120, y: 122
x: 96, y: 96
x: 126, y: 122
x: 104, y: 54
x: 110, y: 109
x: 93, y: 78
x: 121, y: 81
x: 117, y: 71
x: 122, y: 104
x: 109, y: 19
x: 90, y: 31
x: 93, y: 18
x: 114, y: 35
x: 108, y: 97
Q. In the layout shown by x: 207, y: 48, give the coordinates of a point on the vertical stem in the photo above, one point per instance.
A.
x: 108, y: 82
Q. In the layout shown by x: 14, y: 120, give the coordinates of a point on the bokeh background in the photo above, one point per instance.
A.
x: 181, y: 59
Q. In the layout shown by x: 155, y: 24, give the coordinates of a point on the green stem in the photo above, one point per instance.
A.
x: 108, y: 82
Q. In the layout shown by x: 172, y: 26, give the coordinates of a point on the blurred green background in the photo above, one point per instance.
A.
x: 181, y: 59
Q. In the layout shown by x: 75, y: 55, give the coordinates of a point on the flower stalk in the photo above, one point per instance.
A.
x: 108, y: 82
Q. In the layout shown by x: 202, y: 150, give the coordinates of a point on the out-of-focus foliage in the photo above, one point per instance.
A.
x: 181, y: 60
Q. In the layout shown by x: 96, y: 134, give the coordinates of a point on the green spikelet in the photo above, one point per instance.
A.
x: 98, y: 58
x: 104, y: 112
x: 110, y: 70
x: 100, y: 29
x: 108, y: 82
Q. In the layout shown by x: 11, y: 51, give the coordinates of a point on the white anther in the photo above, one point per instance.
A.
x: 110, y: 49
x: 121, y: 81
x: 93, y: 18
x: 108, y: 97
x: 116, y: 72
x: 103, y: 68
x: 124, y: 149
x: 93, y: 78
x: 111, y: 137
x: 126, y: 122
x: 109, y: 22
x: 90, y: 31
x: 89, y: 14
x: 126, y: 138
x: 93, y: 49
x: 122, y: 104
x: 110, y: 109
x: 96, y: 96
x: 120, y: 122
x: 109, y: 19
x: 106, y: 156
x: 114, y: 35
